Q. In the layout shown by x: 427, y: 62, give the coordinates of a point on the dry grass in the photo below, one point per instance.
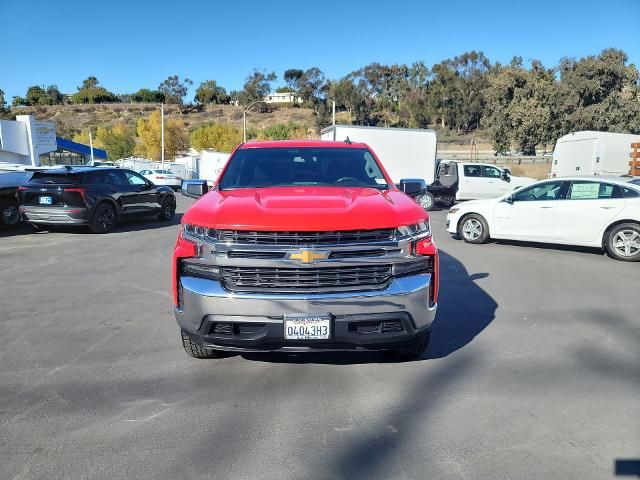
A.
x: 539, y: 171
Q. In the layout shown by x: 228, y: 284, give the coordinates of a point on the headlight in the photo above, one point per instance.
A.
x: 454, y: 209
x: 421, y: 229
x: 198, y: 233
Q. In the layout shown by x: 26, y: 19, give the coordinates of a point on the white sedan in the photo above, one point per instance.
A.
x: 162, y: 177
x: 587, y: 211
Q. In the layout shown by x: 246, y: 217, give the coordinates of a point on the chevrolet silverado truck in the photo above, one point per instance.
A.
x: 304, y: 246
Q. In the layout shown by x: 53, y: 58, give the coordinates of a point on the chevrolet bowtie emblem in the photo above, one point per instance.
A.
x: 308, y: 256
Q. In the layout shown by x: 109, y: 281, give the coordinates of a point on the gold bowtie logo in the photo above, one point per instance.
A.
x: 308, y: 256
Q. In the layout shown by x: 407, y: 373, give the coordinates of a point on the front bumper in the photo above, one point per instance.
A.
x: 380, y: 319
x: 55, y: 215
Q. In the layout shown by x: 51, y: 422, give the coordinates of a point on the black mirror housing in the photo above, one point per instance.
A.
x: 412, y: 186
x: 194, y: 188
x: 509, y: 200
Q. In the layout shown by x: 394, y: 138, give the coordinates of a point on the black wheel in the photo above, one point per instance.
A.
x: 168, y: 209
x: 427, y: 201
x: 196, y: 350
x: 10, y: 215
x: 623, y: 242
x: 473, y: 228
x: 417, y: 349
x: 104, y: 218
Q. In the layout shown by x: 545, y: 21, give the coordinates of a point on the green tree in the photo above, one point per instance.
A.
x: 37, y: 96
x: 519, y: 106
x: 174, y: 90
x: 282, y: 131
x: 4, y: 111
x: 292, y: 76
x: 347, y: 97
x: 216, y: 136
x: 209, y: 92
x: 256, y: 87
x: 119, y: 141
x: 91, y: 92
x: 312, y: 86
x: 144, y: 95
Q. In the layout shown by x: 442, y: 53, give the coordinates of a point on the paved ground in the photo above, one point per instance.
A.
x: 534, y: 372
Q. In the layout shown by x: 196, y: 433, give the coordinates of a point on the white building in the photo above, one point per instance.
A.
x: 29, y: 142
x: 282, y: 97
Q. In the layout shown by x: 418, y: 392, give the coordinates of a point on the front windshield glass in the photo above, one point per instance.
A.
x: 165, y: 172
x: 317, y: 166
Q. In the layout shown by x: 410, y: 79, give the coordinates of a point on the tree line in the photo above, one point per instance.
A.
x: 520, y: 107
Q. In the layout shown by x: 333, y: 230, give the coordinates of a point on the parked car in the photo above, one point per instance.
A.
x: 593, y: 212
x: 301, y: 246
x: 9, y: 184
x: 94, y: 197
x: 162, y: 177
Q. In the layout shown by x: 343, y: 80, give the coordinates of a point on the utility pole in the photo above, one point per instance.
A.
x: 162, y: 132
x: 333, y: 120
x: 91, y: 146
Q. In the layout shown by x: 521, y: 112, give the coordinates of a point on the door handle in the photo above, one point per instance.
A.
x: 607, y: 208
x: 547, y: 207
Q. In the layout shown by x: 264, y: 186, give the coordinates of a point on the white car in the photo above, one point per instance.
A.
x: 162, y: 177
x: 587, y: 211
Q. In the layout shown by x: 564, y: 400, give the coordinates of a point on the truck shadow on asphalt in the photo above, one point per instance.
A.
x: 464, y: 310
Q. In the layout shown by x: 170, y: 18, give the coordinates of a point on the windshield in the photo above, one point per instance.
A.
x: 165, y: 172
x: 318, y: 166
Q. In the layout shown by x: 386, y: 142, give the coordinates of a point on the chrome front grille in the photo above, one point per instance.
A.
x: 308, y: 239
x: 325, y: 279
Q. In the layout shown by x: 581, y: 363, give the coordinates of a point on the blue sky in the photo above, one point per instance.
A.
x: 138, y: 43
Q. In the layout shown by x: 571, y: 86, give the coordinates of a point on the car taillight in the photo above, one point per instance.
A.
x: 426, y: 247
x: 81, y: 191
x: 22, y: 188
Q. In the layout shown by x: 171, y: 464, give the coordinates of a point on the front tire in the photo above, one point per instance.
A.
x: 474, y: 229
x: 196, y: 350
x: 427, y: 201
x: 104, y: 219
x: 168, y: 208
x: 623, y: 242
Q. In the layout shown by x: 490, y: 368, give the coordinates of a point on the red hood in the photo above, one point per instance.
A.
x: 304, y: 209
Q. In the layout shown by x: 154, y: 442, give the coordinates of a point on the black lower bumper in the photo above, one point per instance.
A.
x: 349, y: 332
x: 55, y: 215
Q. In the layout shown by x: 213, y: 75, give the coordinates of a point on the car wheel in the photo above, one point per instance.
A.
x: 474, y: 229
x: 168, y: 209
x: 196, y: 350
x: 416, y: 349
x: 10, y: 213
x: 104, y: 219
x: 427, y: 201
x: 623, y: 242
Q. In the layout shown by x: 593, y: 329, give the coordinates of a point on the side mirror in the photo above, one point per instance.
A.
x: 194, y: 188
x: 412, y: 186
x: 506, y: 175
x: 509, y: 199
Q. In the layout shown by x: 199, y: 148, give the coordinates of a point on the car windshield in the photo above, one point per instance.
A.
x: 164, y: 172
x: 317, y: 166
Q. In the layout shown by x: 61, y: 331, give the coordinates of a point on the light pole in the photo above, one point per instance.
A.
x: 162, y: 132
x: 244, y: 119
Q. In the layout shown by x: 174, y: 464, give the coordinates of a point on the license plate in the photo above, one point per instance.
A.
x: 307, y: 327
x: 45, y: 200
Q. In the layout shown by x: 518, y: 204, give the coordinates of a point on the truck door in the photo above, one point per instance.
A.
x: 471, y: 182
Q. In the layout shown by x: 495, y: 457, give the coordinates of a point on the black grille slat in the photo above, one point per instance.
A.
x: 297, y: 279
x: 256, y: 254
x: 349, y: 237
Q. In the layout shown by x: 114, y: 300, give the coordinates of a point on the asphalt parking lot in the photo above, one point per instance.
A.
x: 533, y: 372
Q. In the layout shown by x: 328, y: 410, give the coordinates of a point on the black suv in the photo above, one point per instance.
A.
x: 95, y: 197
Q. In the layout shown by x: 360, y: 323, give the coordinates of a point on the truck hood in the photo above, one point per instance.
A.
x: 304, y: 209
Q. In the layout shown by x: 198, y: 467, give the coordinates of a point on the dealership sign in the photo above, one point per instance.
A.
x: 44, y: 136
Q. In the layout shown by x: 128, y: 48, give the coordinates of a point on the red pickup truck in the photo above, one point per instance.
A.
x: 304, y: 246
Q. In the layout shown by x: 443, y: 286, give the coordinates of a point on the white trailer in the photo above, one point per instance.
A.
x: 404, y: 152
x: 592, y: 153
x: 211, y: 165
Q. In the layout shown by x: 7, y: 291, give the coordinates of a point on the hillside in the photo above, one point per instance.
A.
x: 70, y: 119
